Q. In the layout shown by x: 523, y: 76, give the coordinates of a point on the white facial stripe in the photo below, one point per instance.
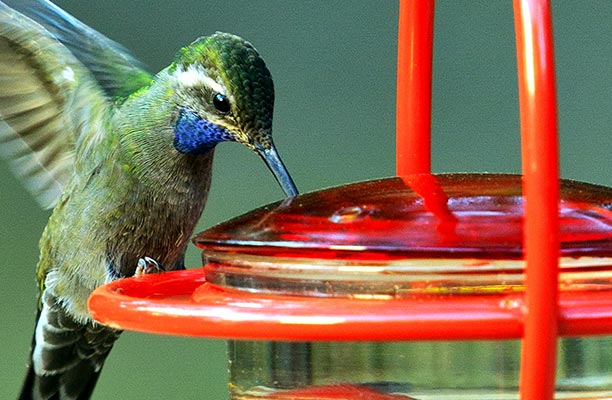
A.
x: 197, y: 77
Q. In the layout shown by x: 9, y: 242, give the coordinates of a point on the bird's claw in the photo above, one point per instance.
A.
x: 146, y: 266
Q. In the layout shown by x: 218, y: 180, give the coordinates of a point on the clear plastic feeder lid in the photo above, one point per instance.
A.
x: 454, y: 215
x: 393, y: 237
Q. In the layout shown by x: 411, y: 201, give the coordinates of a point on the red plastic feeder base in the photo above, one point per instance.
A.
x: 425, y: 257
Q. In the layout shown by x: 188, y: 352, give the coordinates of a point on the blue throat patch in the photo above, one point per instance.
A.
x: 195, y: 135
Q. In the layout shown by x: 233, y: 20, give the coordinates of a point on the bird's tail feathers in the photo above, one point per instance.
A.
x: 67, y: 356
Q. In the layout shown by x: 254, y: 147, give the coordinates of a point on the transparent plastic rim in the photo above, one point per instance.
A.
x: 393, y: 278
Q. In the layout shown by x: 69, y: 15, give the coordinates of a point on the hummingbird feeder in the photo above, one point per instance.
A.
x: 422, y: 286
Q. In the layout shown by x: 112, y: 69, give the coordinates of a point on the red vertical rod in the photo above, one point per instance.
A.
x: 540, y: 163
x: 414, y: 59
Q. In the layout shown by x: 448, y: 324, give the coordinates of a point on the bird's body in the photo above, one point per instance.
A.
x: 125, y: 157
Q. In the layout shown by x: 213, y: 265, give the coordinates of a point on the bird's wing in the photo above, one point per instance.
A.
x: 51, y: 103
x: 117, y: 72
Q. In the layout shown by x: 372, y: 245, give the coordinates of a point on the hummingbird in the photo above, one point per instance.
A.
x: 123, y: 157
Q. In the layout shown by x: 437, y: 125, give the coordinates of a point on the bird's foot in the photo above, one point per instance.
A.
x: 147, y: 265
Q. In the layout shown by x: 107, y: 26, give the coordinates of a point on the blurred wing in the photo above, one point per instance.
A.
x: 117, y: 72
x: 46, y: 102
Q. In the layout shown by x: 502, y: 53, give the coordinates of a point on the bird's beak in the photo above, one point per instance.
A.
x: 273, y: 161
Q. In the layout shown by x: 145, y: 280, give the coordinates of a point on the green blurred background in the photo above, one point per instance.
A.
x: 333, y: 64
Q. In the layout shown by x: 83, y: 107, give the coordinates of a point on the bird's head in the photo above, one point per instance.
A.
x: 224, y: 92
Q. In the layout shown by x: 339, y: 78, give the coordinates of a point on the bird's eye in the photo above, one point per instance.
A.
x: 221, y: 103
